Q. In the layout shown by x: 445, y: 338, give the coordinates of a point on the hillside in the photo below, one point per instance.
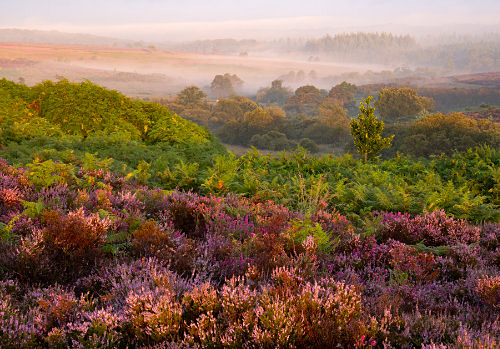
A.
x: 57, y: 37
x: 65, y: 120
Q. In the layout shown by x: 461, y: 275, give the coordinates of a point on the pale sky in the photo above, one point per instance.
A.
x: 191, y: 19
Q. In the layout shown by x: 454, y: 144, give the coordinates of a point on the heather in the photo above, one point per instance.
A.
x: 92, y: 258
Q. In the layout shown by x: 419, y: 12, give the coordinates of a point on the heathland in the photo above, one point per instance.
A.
x: 124, y: 225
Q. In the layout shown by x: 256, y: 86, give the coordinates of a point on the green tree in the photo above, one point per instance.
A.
x: 232, y: 108
x: 396, y: 103
x: 366, y: 131
x: 191, y: 103
x: 306, y: 100
x: 331, y: 126
x: 225, y: 85
x: 277, y: 94
x: 342, y: 93
x: 333, y: 115
x: 191, y: 96
x: 438, y: 133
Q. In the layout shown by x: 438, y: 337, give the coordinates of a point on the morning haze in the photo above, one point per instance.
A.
x: 167, y: 45
x: 191, y: 20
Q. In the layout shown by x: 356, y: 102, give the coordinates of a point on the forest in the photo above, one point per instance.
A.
x: 123, y: 224
x: 464, y: 54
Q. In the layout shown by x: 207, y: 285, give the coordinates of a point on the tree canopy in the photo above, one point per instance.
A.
x: 342, y: 93
x: 225, y: 85
x: 305, y: 100
x: 396, y: 103
x: 276, y: 94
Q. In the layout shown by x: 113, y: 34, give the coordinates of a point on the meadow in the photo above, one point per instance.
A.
x: 148, y: 72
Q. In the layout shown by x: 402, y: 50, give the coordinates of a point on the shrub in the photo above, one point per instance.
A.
x: 309, y: 145
x: 75, y: 233
x: 489, y: 290
x: 166, y: 244
x: 433, y: 229
x: 154, y: 316
x: 436, y: 134
x: 272, y: 140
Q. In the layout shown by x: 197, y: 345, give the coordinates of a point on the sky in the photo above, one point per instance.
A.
x: 173, y: 20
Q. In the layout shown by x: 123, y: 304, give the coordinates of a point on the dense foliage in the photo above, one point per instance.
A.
x: 465, y: 185
x: 72, y: 122
x: 323, y: 117
x: 447, y: 98
x: 308, y: 113
x: 169, y: 156
x: 435, y: 134
x: 397, y: 103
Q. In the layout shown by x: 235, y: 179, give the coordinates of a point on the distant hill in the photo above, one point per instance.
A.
x: 56, y: 37
x: 490, y: 79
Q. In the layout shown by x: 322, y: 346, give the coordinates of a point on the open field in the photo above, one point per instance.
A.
x: 165, y: 72
x: 481, y: 79
x: 150, y: 72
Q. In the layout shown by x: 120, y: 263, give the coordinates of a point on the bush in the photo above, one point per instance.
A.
x: 272, y: 140
x: 436, y: 134
x: 433, y: 229
x: 309, y: 145
x: 74, y: 233
x: 489, y: 290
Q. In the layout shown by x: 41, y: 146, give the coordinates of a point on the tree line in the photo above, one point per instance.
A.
x: 278, y: 118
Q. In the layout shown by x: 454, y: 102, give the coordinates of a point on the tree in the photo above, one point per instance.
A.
x: 446, y: 133
x: 333, y: 115
x: 306, y: 100
x: 191, y: 103
x: 277, y: 94
x: 245, y: 104
x: 342, y: 93
x: 224, y: 85
x: 226, y: 109
x: 191, y: 96
x: 331, y: 125
x: 367, y: 130
x: 264, y: 119
x: 232, y: 108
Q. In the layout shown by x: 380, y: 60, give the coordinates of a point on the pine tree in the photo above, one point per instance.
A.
x: 367, y: 131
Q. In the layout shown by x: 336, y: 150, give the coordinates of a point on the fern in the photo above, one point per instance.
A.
x: 33, y: 209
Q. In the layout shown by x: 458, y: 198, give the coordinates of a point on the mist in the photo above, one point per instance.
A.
x: 167, y: 21
x: 155, y: 48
